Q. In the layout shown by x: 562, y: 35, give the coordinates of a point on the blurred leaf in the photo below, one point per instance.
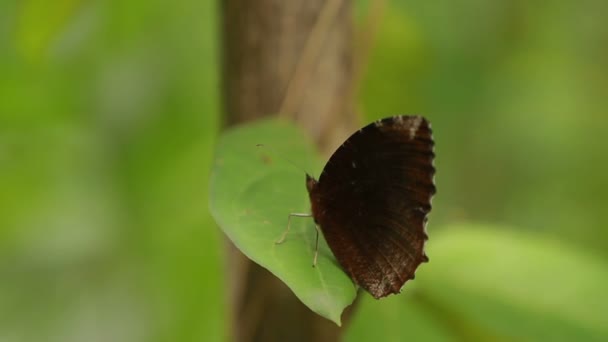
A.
x: 494, y: 283
x: 394, y: 318
x: 505, y: 279
x: 251, y: 195
x: 39, y: 22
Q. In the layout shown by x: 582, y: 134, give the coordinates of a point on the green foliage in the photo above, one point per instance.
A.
x: 108, y: 118
x: 253, y: 190
x: 516, y: 96
x: 108, y: 114
x: 494, y: 283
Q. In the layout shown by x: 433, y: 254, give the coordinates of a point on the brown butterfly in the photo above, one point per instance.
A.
x: 372, y: 199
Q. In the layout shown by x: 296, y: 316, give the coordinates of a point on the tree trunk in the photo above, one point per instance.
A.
x: 294, y: 59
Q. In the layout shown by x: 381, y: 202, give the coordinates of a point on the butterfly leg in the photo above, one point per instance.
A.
x: 282, y: 239
x: 314, y: 260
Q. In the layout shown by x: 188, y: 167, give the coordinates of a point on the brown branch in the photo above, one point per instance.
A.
x: 294, y: 58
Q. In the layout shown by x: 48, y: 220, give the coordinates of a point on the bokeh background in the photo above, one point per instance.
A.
x: 109, y: 111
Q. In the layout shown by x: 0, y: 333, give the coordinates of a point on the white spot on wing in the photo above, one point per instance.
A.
x: 354, y: 165
x: 378, y: 123
x: 414, y: 125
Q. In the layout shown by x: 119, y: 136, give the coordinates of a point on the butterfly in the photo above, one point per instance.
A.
x: 372, y: 200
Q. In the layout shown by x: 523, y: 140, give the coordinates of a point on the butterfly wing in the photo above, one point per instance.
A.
x: 372, y: 201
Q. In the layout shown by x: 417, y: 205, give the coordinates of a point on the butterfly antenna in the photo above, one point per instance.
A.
x: 282, y: 156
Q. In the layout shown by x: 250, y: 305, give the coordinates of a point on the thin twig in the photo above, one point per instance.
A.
x: 310, y: 53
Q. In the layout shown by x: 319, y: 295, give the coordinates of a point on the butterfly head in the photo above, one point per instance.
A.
x: 311, y: 183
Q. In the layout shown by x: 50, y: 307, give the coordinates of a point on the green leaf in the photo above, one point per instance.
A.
x: 394, y: 318
x: 488, y: 282
x: 253, y: 189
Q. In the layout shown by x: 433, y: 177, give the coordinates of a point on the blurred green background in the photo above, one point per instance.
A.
x: 109, y: 111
